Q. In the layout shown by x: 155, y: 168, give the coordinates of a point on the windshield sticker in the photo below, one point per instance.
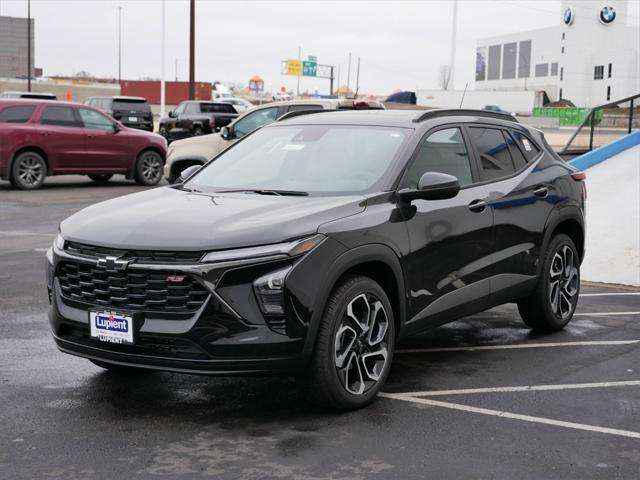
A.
x: 527, y: 145
x: 293, y: 146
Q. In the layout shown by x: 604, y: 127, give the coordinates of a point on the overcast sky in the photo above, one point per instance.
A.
x: 402, y: 44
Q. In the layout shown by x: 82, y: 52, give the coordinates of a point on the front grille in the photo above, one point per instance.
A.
x: 140, y: 256
x: 131, y: 290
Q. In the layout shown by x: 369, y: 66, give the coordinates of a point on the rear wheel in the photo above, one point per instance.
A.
x: 101, y: 177
x: 552, y: 304
x: 198, y: 131
x: 148, y: 169
x: 354, y: 347
x: 28, y: 171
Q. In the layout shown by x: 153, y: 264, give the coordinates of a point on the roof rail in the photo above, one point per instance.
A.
x: 458, y: 112
x: 298, y: 113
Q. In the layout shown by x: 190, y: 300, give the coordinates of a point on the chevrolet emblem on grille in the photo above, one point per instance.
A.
x: 113, y: 264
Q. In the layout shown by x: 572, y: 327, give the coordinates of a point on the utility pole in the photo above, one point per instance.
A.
x: 162, y: 46
x: 192, y: 51
x: 349, y: 73
x: 331, y: 78
x: 28, y: 45
x: 453, y: 44
x: 119, y: 45
x: 357, y: 79
x: 299, y: 58
x: 338, y: 82
x: 176, y: 70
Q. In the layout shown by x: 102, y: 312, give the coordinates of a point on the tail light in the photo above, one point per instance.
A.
x: 581, y: 177
x: 360, y: 104
x: 212, y: 123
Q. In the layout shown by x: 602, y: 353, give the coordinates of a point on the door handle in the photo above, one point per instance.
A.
x: 44, y: 134
x: 540, y: 191
x: 477, y: 206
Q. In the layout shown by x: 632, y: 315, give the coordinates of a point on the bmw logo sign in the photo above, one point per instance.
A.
x: 568, y: 16
x: 607, y: 15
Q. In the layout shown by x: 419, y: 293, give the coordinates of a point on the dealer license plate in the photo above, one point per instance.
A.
x: 113, y: 327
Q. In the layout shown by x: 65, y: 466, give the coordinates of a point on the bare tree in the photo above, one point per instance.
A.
x: 445, y: 76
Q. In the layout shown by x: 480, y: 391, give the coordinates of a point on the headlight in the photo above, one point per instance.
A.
x: 58, y: 242
x: 291, y: 249
x: 269, y: 290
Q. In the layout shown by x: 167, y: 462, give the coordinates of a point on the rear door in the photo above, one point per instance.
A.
x: 520, y: 199
x: 62, y: 137
x: 107, y: 150
x: 449, y: 266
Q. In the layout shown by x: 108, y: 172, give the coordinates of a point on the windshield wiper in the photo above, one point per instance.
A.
x: 268, y: 192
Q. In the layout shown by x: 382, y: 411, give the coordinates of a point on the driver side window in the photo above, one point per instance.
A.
x: 255, y: 120
x: 94, y: 120
x: 443, y: 151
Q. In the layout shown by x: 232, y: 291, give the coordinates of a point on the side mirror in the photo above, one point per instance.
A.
x: 187, y: 172
x: 432, y: 186
x: 226, y: 133
x: 116, y: 127
x: 171, y: 114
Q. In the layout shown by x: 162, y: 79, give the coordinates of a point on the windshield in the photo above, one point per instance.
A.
x: 328, y: 159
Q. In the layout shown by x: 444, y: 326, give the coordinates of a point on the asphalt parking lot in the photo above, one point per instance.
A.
x: 478, y: 398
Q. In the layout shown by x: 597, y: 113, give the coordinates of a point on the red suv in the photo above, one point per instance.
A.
x: 40, y: 138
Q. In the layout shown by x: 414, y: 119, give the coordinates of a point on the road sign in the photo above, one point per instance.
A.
x: 309, y: 69
x: 313, y: 59
x: 294, y: 67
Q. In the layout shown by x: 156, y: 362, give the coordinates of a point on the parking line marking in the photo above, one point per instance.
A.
x: 515, y: 416
x: 608, y: 294
x: 518, y: 345
x: 605, y: 314
x: 524, y: 388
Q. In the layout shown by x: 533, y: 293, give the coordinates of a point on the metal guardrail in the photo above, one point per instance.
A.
x: 597, y: 115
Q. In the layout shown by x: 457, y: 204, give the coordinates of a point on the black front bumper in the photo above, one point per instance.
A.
x: 214, y: 340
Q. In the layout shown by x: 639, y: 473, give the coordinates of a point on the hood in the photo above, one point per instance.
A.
x: 170, y: 219
x: 204, y: 147
x: 136, y: 132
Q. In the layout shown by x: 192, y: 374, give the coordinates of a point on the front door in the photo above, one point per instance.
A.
x: 107, y: 150
x: 449, y: 265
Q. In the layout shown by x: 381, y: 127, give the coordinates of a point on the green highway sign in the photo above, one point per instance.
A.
x: 309, y: 68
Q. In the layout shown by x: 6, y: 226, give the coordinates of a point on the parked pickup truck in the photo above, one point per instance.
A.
x: 196, y: 117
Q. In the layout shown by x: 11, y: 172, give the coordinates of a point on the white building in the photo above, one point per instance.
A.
x: 591, y: 57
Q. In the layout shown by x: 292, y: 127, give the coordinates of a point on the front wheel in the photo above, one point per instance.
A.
x: 148, y: 168
x: 28, y: 171
x: 552, y: 304
x: 354, y: 347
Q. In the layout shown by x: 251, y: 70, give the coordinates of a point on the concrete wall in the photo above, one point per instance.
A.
x: 518, y: 102
x: 79, y: 93
x: 613, y: 220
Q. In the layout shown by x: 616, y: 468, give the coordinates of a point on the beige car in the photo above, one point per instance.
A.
x: 199, y: 150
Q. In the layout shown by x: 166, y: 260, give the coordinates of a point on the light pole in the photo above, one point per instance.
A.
x: 28, y: 45
x: 119, y: 45
x: 192, y: 51
x: 299, y: 58
x: 453, y: 44
x: 162, y: 46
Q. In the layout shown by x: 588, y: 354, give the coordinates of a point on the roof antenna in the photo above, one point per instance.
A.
x: 463, y: 94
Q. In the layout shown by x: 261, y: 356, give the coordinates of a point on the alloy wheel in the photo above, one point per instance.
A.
x: 563, y: 282
x: 30, y: 170
x: 360, y: 350
x: 151, y: 167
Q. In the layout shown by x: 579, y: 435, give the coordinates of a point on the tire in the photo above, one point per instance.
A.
x: 149, y: 168
x: 339, y: 375
x: 28, y: 171
x: 112, y: 367
x: 163, y: 131
x: 101, y: 177
x: 198, y: 131
x: 553, y: 302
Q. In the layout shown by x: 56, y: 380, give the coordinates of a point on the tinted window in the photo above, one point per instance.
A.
x: 516, y: 154
x: 443, y: 151
x: 16, y: 114
x: 94, y: 120
x: 493, y: 151
x: 255, y: 120
x: 131, y: 105
x: 216, y: 108
x: 529, y: 149
x: 62, y: 116
x: 297, y: 108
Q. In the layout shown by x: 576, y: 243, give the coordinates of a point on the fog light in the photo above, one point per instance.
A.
x: 269, y: 290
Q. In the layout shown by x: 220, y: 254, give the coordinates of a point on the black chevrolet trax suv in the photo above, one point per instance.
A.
x: 315, y: 244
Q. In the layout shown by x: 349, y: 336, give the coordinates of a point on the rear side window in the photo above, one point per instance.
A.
x: 297, y: 108
x: 131, y: 105
x: 493, y: 151
x: 19, y: 114
x: 217, y: 108
x: 517, y: 155
x: 443, y: 151
x: 529, y: 149
x: 61, y: 116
